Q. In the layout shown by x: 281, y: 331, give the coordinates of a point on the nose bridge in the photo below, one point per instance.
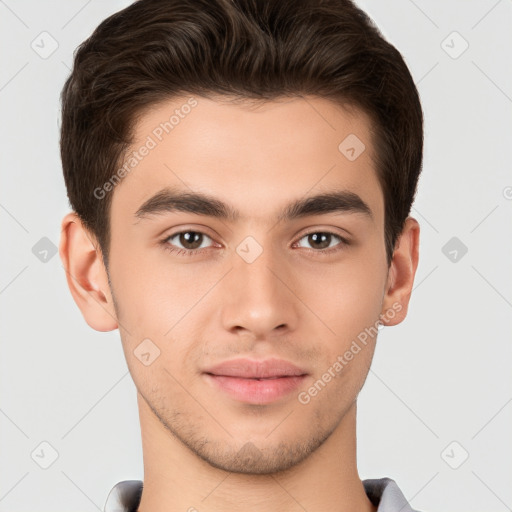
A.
x: 256, y: 274
x: 260, y: 301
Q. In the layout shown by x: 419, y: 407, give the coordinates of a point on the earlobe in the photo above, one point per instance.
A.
x: 401, y: 274
x: 86, y: 274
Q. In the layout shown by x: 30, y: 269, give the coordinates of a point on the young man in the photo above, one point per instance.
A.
x: 241, y: 174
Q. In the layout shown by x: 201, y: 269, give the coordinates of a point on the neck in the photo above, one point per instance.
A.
x: 176, y: 479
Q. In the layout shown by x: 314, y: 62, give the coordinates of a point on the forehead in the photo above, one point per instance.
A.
x: 256, y: 156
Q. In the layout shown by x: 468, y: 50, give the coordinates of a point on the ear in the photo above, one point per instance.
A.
x: 86, y: 274
x: 401, y: 274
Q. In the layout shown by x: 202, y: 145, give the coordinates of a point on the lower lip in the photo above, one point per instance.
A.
x: 256, y: 391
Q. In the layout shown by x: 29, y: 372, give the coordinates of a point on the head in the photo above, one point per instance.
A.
x: 222, y: 119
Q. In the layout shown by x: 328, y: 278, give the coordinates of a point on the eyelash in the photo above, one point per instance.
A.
x: 193, y: 252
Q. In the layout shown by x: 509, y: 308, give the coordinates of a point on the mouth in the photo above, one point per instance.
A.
x: 251, y: 378
x: 256, y: 390
x: 255, y: 382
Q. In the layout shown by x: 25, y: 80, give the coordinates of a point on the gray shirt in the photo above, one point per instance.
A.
x: 384, y: 492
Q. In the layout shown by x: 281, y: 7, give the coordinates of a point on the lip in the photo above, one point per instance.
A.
x: 257, y: 382
x: 252, y: 369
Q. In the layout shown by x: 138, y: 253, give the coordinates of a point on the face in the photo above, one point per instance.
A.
x: 254, y: 274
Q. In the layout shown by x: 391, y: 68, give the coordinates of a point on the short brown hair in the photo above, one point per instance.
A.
x: 155, y: 50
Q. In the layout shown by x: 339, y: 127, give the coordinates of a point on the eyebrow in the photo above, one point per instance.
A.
x: 169, y: 200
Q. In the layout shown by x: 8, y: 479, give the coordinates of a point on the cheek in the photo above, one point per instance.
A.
x: 159, y: 302
x: 348, y: 297
x: 153, y: 293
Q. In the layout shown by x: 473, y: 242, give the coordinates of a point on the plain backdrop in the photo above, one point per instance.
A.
x: 435, y: 413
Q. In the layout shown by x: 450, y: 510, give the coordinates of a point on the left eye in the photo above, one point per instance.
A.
x: 191, y: 240
x: 322, y: 239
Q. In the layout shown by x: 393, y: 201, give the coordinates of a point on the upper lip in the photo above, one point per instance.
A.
x: 251, y: 369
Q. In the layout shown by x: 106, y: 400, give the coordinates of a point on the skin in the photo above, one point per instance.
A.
x: 201, y: 447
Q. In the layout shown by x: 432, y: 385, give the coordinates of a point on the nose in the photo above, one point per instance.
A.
x: 259, y: 297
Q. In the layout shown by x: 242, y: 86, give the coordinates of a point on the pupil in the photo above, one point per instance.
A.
x: 185, y: 239
x: 325, y: 239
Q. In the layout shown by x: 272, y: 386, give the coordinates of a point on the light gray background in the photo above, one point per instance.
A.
x: 440, y: 377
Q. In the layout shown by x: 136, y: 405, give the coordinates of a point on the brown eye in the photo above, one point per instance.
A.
x: 190, y: 239
x: 186, y: 241
x: 321, y: 240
